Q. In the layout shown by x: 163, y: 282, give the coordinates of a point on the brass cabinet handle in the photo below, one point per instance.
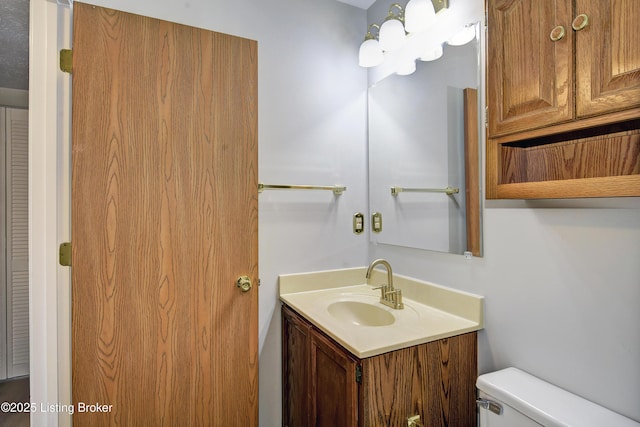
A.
x: 557, y: 33
x: 580, y: 22
x: 244, y: 283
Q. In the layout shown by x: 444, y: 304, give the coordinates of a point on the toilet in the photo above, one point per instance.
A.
x: 513, y: 398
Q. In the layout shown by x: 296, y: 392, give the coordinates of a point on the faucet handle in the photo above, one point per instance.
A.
x: 384, y: 293
x: 398, y: 299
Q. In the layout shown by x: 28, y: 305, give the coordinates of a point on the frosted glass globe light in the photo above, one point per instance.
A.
x: 463, y: 36
x: 406, y: 67
x: 392, y: 35
x: 419, y: 15
x: 370, y: 54
x: 431, y: 53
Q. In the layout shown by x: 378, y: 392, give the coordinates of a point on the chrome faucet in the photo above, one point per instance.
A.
x: 389, y: 296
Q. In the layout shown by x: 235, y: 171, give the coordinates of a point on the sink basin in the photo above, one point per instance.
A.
x: 360, y: 313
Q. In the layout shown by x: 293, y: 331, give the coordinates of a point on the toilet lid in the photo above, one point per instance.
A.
x: 546, y: 403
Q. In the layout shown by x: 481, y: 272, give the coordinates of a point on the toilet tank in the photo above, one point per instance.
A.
x: 523, y: 400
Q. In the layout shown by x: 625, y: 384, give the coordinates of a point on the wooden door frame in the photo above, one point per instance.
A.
x: 49, y: 211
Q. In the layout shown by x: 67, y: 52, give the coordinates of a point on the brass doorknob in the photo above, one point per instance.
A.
x: 580, y: 22
x: 244, y: 283
x: 557, y: 33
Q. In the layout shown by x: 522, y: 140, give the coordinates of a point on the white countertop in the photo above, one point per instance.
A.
x: 431, y: 311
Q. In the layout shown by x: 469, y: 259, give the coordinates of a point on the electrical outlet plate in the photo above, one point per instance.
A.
x: 376, y: 222
x: 358, y: 222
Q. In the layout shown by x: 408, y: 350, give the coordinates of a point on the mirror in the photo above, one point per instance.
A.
x: 419, y: 137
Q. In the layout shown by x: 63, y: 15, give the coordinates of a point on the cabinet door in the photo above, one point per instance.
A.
x: 607, y: 56
x: 334, y: 390
x: 296, y: 344
x: 529, y: 75
x: 435, y: 380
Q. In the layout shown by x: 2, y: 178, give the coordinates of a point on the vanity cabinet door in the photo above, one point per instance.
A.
x: 319, y: 385
x: 296, y: 373
x: 529, y: 77
x: 334, y: 390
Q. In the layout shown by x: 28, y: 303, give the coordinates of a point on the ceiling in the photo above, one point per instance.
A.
x: 14, y: 39
x: 362, y: 4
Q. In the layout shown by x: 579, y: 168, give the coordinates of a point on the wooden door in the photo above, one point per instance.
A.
x: 334, y: 390
x: 164, y: 219
x: 607, y: 56
x: 529, y: 76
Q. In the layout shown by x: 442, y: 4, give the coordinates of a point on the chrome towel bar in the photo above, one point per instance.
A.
x: 449, y: 190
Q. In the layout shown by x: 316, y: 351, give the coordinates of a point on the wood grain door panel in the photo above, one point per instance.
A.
x: 164, y: 219
x: 608, y: 57
x: 529, y: 76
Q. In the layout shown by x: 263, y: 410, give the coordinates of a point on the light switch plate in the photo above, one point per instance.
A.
x: 358, y: 223
x: 376, y: 222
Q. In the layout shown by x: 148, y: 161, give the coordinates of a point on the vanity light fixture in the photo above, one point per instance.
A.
x: 392, y: 35
x: 418, y: 16
x: 409, y: 33
x: 370, y: 54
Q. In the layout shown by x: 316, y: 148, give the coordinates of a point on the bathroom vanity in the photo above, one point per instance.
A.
x: 350, y: 361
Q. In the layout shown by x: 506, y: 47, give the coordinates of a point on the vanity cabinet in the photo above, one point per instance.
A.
x: 325, y: 385
x: 563, y: 98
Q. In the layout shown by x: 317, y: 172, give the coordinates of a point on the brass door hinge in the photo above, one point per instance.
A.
x: 486, y: 117
x: 66, y: 60
x: 65, y: 254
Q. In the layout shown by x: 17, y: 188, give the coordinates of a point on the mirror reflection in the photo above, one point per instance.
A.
x: 417, y: 143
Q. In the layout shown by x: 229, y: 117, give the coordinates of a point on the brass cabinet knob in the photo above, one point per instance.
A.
x: 244, y: 283
x: 557, y: 33
x: 580, y: 22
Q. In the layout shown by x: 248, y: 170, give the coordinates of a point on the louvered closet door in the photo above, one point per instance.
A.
x: 17, y: 171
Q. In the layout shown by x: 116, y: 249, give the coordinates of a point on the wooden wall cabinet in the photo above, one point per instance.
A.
x: 563, y: 98
x: 325, y: 385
